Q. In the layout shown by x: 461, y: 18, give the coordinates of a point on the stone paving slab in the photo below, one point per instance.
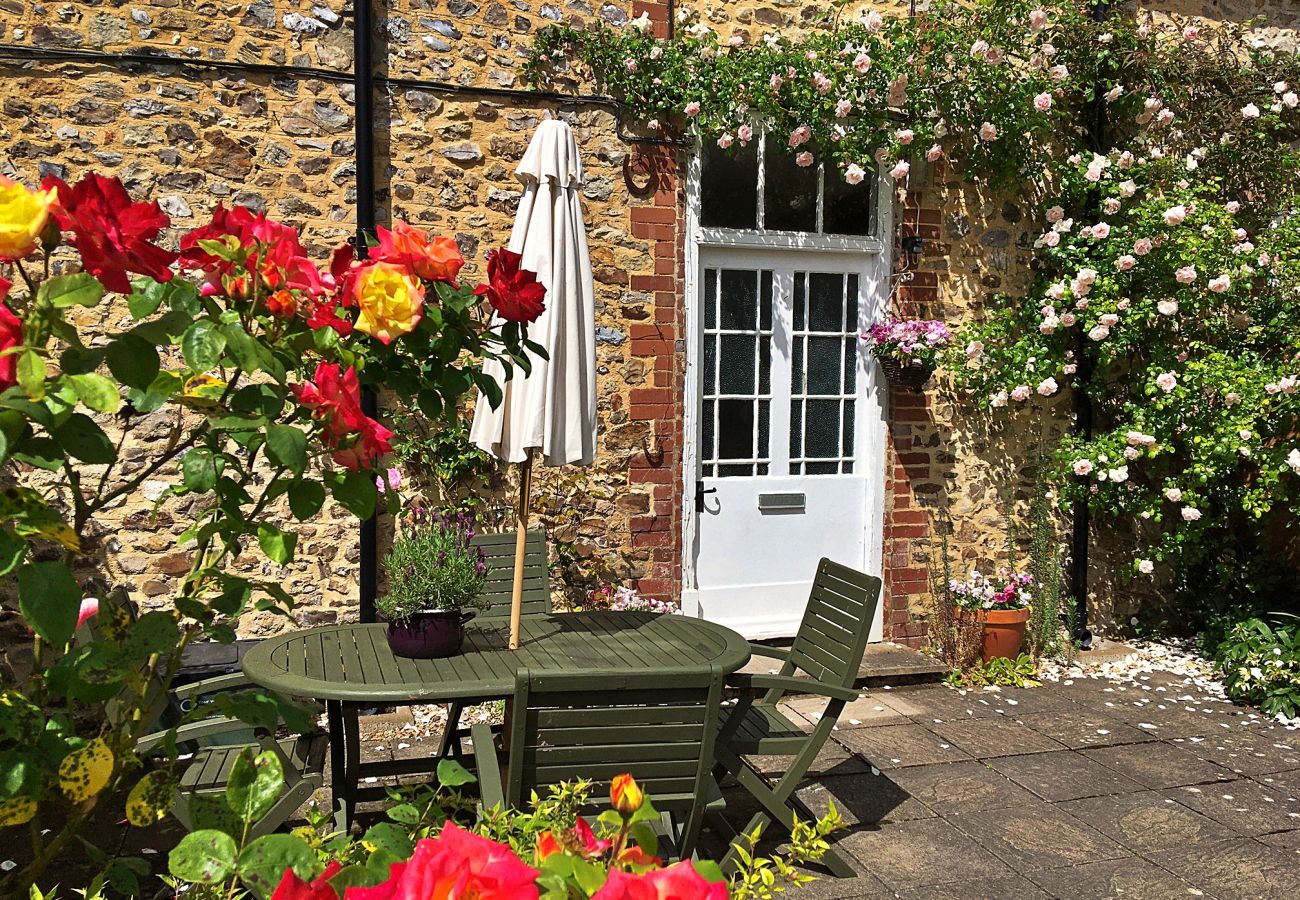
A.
x: 967, y: 786
x: 985, y: 738
x: 1245, y: 806
x: 1147, y: 821
x: 1159, y: 765
x: 1013, y: 887
x: 864, y: 799
x: 1081, y: 728
x: 1037, y: 836
x: 1063, y: 775
x: 892, y: 746
x: 922, y: 852
x: 1235, y: 870
x: 1122, y: 879
x: 1245, y: 751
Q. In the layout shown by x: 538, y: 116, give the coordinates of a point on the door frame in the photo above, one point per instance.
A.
x: 874, y: 396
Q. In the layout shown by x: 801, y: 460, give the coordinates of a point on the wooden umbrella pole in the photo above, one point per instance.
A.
x: 521, y: 540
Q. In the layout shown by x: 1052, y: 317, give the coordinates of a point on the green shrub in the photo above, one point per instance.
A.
x: 1260, y: 664
x: 434, y: 566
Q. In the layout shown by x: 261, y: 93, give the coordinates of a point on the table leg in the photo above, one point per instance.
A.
x: 339, y: 767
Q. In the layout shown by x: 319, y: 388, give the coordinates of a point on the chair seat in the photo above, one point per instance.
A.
x: 209, y: 771
x: 765, y: 730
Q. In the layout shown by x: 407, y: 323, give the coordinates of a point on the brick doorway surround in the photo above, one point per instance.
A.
x: 660, y: 219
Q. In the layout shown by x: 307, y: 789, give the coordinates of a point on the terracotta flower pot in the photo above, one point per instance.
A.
x: 1003, y: 632
x: 428, y: 635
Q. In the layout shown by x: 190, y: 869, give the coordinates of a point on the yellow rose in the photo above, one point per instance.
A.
x: 23, y: 214
x: 390, y: 300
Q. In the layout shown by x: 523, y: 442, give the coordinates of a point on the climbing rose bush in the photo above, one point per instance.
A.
x: 248, y: 362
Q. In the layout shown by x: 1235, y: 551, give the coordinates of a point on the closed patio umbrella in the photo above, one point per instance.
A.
x: 553, y: 408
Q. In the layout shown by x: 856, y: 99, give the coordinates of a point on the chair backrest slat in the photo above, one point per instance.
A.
x: 500, y: 551
x: 833, y: 634
x: 596, y: 725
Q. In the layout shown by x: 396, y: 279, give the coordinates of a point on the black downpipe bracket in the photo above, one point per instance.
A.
x: 1097, y: 142
x: 364, y: 88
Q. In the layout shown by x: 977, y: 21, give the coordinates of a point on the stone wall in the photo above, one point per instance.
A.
x: 238, y: 126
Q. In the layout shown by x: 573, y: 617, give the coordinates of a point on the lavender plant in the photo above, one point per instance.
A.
x: 434, y: 565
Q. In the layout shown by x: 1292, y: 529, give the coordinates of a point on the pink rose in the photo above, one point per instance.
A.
x: 900, y: 170
x: 1220, y: 284
x: 725, y: 140
x: 873, y: 21
x: 905, y: 135
x: 988, y: 132
x: 1142, y: 246
x: 1185, y: 275
x: 1055, y: 214
x: 776, y: 81
x: 1037, y: 20
x: 854, y: 174
x: 800, y: 136
x: 862, y: 63
x: 843, y: 108
x: 1250, y: 111
x: 1021, y: 393
x: 1167, y: 307
x: 630, y: 64
x: 1166, y: 381
x: 1175, y: 215
x: 1050, y: 239
x: 1068, y: 320
x: 1233, y: 207
x: 693, y: 108
x: 934, y: 153
x: 1101, y: 231
x: 804, y: 159
x: 1043, y: 102
x: 1082, y: 467
x: 1126, y: 263
x: 1047, y: 387
x: 745, y: 134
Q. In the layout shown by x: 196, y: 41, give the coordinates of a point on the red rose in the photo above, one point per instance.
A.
x: 457, y: 863
x: 679, y: 881
x: 514, y: 293
x: 11, y: 335
x: 277, y: 256
x: 334, y: 397
x: 111, y: 232
x: 291, y: 887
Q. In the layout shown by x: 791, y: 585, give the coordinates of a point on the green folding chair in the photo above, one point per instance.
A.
x: 827, y: 651
x: 598, y: 724
x: 500, y: 551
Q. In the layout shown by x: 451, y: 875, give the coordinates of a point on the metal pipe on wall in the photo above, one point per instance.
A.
x: 363, y: 72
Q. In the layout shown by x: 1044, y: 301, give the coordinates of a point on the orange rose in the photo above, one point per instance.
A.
x: 433, y: 260
x: 625, y: 794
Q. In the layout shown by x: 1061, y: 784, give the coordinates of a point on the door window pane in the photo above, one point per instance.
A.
x: 823, y: 377
x: 849, y: 208
x: 789, y: 193
x: 729, y: 186
x: 736, y: 374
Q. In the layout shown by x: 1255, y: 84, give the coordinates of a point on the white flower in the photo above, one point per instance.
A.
x: 698, y: 30
x: 1099, y: 333
x: 1146, y: 566
x: 1293, y: 460
x: 1021, y: 392
x: 1220, y: 284
x: 988, y: 132
x: 900, y: 169
x: 642, y: 23
x: 1173, y: 494
x: 1119, y: 476
x: 1114, y: 93
x: 854, y: 174
x: 1167, y: 307
x: 1166, y: 381
x: 1000, y: 399
x: 1082, y: 466
x: 1250, y: 111
x: 1047, y: 387
x: 1190, y: 513
x: 1175, y: 215
x: 1185, y: 275
x: 1244, y: 434
x: 873, y: 20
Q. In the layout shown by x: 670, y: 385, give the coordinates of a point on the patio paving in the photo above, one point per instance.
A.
x: 1081, y: 789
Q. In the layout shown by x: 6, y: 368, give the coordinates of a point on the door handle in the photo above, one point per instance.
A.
x: 700, y: 491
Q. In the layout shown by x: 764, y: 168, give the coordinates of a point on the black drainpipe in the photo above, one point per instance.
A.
x: 363, y: 71
x: 1096, y: 131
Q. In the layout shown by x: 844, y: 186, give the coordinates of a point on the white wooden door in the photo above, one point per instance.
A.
x: 788, y: 428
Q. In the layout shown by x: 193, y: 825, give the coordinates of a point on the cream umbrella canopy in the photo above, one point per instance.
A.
x: 553, y: 408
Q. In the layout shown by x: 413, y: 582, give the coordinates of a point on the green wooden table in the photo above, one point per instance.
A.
x: 351, y: 667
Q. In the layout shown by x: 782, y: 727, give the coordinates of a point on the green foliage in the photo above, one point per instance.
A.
x: 919, y: 84
x: 1260, y: 664
x: 997, y: 672
x: 437, y: 455
x: 238, y: 433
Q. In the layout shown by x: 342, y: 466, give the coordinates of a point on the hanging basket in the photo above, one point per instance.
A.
x: 905, y: 377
